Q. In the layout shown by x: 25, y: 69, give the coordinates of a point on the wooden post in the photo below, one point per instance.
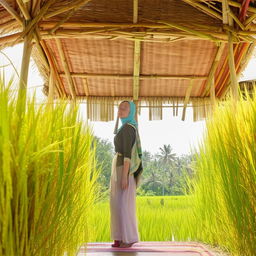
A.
x: 51, y: 89
x: 232, y: 68
x: 24, y: 72
x: 136, y: 114
x: 227, y: 19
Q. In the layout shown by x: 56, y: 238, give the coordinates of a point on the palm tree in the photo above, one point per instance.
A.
x: 146, y: 158
x: 166, y: 156
x: 153, y: 175
x: 167, y: 160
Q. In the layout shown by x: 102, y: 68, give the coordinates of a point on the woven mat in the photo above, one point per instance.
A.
x: 152, y: 248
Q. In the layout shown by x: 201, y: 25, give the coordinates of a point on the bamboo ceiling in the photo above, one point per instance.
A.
x: 151, y: 51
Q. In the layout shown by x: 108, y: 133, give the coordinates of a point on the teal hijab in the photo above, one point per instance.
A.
x: 131, y: 117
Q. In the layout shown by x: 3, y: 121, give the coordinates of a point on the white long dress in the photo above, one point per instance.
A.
x: 124, y: 223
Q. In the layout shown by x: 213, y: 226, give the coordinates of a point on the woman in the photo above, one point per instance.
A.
x: 125, y: 177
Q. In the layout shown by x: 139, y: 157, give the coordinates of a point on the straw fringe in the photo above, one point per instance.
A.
x: 102, y: 108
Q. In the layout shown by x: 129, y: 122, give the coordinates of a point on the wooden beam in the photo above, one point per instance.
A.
x: 188, y: 92
x: 11, y: 11
x: 142, y: 77
x: 213, y: 68
x: 66, y: 69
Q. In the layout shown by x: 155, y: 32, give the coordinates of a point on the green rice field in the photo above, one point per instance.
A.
x: 162, y: 218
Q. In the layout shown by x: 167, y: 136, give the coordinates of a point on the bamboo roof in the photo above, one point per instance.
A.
x: 156, y: 52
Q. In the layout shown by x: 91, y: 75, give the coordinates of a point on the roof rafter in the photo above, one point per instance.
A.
x: 204, y: 9
x: 11, y: 11
x: 188, y: 92
x: 66, y: 69
x: 213, y: 68
x: 141, y: 77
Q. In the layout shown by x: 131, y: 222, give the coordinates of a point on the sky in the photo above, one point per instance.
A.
x: 183, y: 136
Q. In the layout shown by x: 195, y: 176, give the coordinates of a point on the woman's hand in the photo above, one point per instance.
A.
x: 125, y: 182
x: 125, y: 174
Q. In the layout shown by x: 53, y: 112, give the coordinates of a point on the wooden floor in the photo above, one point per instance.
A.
x: 147, y: 249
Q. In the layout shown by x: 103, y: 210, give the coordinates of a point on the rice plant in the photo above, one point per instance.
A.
x: 160, y: 218
x: 48, y: 177
x: 225, y: 185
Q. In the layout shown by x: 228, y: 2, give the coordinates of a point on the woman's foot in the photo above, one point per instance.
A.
x: 126, y: 245
x: 116, y: 243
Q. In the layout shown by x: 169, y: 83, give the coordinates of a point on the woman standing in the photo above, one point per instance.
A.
x: 125, y: 177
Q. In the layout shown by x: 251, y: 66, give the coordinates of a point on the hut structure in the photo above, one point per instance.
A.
x: 156, y: 52
x: 249, y: 86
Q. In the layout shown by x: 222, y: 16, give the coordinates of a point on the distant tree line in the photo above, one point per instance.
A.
x: 164, y: 173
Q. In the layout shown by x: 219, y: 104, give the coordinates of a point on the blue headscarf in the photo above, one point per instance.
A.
x: 130, y: 118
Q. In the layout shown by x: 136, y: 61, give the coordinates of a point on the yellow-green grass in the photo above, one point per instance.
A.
x: 162, y: 218
x: 225, y: 184
x: 47, y: 177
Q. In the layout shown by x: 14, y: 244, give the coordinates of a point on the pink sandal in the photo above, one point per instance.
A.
x: 116, y: 243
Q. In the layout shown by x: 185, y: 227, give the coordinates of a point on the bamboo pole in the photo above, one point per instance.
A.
x: 51, y: 89
x: 248, y: 22
x: 239, y: 23
x: 81, y: 25
x: 135, y: 11
x: 86, y: 87
x: 136, y: 65
x: 244, y: 62
x: 23, y: 9
x: 213, y: 68
x: 231, y: 61
x: 40, y: 50
x: 233, y: 3
x: 39, y: 16
x: 27, y: 47
x: 204, y: 9
x: 212, y: 94
x: 142, y: 77
x: 70, y: 14
x: 146, y: 35
x: 188, y: 92
x: 190, y: 30
x: 137, y: 50
x: 10, y: 38
x: 66, y: 69
x: 53, y: 66
x: 76, y: 4
x: 11, y: 11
